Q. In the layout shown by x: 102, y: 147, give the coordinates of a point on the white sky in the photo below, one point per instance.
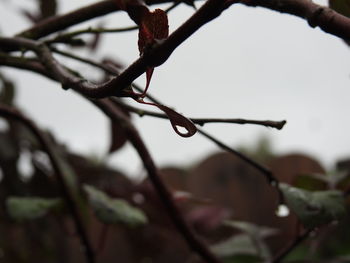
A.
x: 249, y: 63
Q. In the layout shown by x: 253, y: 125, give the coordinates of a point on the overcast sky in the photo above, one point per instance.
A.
x: 249, y: 63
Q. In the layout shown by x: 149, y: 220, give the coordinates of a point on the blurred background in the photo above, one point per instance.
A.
x: 249, y: 63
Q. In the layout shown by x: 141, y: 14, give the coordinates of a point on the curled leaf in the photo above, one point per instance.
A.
x: 178, y: 121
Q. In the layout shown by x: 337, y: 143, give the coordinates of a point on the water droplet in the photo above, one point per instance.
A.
x: 282, y: 211
x: 181, y: 130
x: 4, y: 126
x: 138, y: 198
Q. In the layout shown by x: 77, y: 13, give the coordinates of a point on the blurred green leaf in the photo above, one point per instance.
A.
x: 314, y: 208
x: 256, y: 234
x: 310, y: 182
x: 111, y: 211
x: 252, y: 229
x: 240, y: 244
x: 29, y: 208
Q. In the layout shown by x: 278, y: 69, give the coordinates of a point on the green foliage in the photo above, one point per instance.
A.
x: 29, y: 208
x: 314, y: 208
x: 246, y: 247
x: 111, y: 211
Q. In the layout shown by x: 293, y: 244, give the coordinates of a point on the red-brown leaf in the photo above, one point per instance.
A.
x: 118, y: 138
x: 154, y: 26
x: 177, y: 120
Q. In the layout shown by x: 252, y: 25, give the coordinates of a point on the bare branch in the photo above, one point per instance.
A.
x: 201, y: 121
x: 68, y: 36
x: 24, y: 63
x: 327, y: 19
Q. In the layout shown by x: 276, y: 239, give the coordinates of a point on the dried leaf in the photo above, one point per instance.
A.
x: 118, y: 137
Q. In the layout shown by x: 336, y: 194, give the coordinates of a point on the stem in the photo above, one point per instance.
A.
x: 201, y: 121
x: 272, y: 180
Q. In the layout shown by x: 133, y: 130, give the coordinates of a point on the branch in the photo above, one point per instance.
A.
x: 156, y: 56
x: 70, y: 35
x: 61, y: 22
x: 24, y: 63
x: 201, y: 121
x: 115, y: 114
x: 326, y: 18
x: 63, y: 38
x: 272, y: 180
x: 11, y: 113
x: 57, y: 23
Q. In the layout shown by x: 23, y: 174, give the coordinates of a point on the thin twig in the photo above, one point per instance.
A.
x: 9, y: 112
x: 33, y: 65
x: 116, y: 114
x: 201, y: 121
x: 63, y: 37
x: 106, y: 68
x: 68, y: 36
x: 272, y: 180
